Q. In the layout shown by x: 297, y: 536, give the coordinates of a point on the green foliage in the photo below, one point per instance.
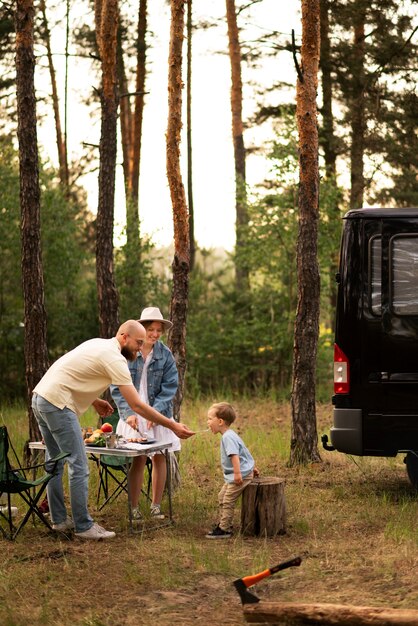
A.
x: 137, y: 282
x: 70, y: 292
x: 11, y: 304
x: 243, y: 342
x: 236, y: 342
x: 70, y: 287
x: 387, y: 83
x: 401, y: 148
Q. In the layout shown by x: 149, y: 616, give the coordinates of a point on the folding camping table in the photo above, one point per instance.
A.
x: 131, y: 450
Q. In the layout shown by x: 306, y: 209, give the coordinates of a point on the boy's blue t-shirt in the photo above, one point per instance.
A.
x: 231, y: 443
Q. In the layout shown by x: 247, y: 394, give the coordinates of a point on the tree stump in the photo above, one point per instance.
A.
x: 263, y: 509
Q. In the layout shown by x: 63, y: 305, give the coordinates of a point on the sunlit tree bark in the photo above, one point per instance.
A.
x: 35, y: 343
x: 181, y: 261
x: 304, y: 444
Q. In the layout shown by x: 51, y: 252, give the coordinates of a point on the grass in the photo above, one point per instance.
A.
x: 353, y: 521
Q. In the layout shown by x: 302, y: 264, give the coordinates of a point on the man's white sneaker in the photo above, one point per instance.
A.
x: 63, y: 526
x: 5, y: 510
x: 96, y: 532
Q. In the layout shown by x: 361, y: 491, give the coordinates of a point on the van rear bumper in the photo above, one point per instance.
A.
x: 347, y: 432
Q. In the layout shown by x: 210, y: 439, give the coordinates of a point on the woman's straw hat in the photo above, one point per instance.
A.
x: 153, y: 314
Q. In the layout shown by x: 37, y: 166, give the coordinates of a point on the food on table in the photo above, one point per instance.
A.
x: 107, y: 428
x: 96, y: 438
x: 138, y: 440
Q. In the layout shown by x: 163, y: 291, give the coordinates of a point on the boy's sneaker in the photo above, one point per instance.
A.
x: 156, y: 512
x: 63, y: 526
x: 136, y: 514
x: 96, y: 532
x: 218, y: 533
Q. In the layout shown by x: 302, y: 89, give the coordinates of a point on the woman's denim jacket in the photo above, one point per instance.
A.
x: 162, y: 382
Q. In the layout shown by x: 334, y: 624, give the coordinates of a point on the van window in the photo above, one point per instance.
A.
x: 375, y: 257
x: 404, y: 279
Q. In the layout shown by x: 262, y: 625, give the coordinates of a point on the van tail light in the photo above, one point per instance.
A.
x: 341, y: 371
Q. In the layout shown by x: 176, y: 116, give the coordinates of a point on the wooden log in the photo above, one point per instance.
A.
x: 292, y: 614
x: 263, y: 508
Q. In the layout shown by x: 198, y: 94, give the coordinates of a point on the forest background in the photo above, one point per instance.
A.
x: 238, y: 341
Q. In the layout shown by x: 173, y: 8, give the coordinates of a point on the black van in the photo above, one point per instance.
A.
x: 376, y: 337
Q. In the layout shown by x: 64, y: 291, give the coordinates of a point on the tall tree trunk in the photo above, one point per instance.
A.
x: 304, y: 444
x: 131, y: 124
x: 35, y: 342
x: 67, y: 56
x: 131, y: 286
x: 328, y: 137
x: 189, y: 134
x: 106, y: 33
x: 358, y: 124
x: 181, y: 261
x: 136, y: 139
x: 61, y: 147
x: 241, y: 271
x: 125, y: 112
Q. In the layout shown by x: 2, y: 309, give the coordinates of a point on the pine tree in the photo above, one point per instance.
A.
x: 304, y: 445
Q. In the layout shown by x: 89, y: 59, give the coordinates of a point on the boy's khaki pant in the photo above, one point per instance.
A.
x: 227, y: 497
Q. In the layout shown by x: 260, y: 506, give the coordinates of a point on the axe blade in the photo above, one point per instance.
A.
x: 242, y: 584
x: 246, y: 596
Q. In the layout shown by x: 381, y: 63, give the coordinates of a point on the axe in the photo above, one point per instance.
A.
x: 241, y: 584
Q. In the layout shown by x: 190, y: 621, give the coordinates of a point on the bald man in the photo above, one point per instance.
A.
x: 71, y: 385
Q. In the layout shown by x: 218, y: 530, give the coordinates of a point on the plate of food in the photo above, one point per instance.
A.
x: 143, y: 440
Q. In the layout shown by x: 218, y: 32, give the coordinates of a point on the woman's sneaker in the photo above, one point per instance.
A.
x: 136, y: 514
x: 218, y: 533
x: 96, y: 532
x: 156, y: 512
x: 63, y: 526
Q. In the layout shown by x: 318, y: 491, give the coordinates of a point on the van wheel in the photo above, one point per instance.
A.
x: 411, y: 461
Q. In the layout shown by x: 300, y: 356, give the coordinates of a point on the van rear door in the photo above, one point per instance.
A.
x: 397, y: 426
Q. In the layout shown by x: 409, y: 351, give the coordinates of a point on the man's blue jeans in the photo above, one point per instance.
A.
x: 61, y: 432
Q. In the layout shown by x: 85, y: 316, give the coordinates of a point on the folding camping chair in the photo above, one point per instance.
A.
x: 13, y: 480
x: 115, y: 468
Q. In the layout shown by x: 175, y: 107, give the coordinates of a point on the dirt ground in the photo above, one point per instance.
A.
x: 355, y: 529
x: 115, y: 583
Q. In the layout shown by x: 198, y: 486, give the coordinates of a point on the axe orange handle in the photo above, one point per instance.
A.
x: 251, y: 580
x: 255, y: 578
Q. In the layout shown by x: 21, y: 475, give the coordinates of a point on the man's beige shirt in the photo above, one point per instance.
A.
x: 79, y: 377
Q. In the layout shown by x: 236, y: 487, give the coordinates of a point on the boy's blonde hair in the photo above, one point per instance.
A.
x: 224, y: 411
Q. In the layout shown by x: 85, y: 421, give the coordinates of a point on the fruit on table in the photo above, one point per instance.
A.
x: 99, y: 442
x: 94, y: 437
x: 107, y: 428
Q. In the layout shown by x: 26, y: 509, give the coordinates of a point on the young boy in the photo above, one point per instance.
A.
x: 237, y: 464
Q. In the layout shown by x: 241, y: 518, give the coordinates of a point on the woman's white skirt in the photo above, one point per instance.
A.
x: 150, y: 431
